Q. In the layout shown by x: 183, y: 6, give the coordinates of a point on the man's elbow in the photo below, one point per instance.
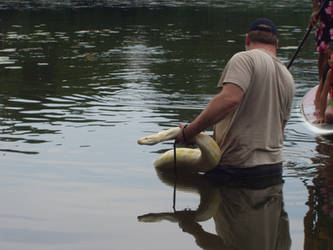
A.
x: 233, y: 93
x: 231, y: 96
x: 230, y: 104
x: 235, y: 100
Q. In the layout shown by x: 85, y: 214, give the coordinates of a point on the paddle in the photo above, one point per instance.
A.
x: 307, y: 34
x: 175, y: 175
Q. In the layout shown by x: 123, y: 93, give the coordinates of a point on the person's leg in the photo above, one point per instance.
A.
x: 322, y: 72
x: 329, y: 111
x: 322, y: 65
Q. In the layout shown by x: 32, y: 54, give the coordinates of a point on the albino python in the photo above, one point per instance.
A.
x: 194, y: 160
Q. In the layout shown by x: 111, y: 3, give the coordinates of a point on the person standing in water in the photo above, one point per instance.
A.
x: 323, y: 35
x: 251, y: 110
x: 324, y: 103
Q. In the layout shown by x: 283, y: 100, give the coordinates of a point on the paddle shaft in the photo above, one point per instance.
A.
x: 306, y: 34
x: 175, y: 175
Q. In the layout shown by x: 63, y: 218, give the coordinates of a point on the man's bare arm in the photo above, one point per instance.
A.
x: 217, y: 109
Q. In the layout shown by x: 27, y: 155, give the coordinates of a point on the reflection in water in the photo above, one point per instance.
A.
x: 318, y: 222
x: 246, y: 215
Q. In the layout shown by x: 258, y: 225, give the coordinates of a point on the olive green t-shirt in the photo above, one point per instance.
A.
x: 253, y: 134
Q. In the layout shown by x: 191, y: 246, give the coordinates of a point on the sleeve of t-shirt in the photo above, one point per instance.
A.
x: 238, y: 71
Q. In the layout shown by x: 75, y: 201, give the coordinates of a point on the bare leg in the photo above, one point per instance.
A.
x: 322, y: 64
x: 322, y: 67
x: 329, y: 114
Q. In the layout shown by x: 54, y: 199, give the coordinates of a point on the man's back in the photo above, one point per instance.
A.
x: 252, y: 135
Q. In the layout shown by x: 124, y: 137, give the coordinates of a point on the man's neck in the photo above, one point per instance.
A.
x: 268, y: 47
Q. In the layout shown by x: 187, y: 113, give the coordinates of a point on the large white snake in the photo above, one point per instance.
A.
x: 194, y: 160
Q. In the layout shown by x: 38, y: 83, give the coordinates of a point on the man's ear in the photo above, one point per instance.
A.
x: 277, y: 44
x: 247, y: 42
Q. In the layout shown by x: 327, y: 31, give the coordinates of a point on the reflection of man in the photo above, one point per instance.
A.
x: 248, y: 215
x: 251, y: 219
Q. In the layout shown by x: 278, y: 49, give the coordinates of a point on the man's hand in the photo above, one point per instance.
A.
x: 185, y: 135
x: 186, y: 221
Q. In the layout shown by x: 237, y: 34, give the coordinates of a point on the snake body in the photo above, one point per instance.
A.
x: 203, y: 159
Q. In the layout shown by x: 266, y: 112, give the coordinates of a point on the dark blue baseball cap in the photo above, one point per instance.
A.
x: 263, y: 24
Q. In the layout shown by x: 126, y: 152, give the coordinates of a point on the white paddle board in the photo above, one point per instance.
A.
x: 307, y: 111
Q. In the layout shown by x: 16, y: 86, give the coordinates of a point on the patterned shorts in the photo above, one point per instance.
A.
x: 324, y: 32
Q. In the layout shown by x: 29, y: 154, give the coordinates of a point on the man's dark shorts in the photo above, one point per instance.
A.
x: 227, y: 174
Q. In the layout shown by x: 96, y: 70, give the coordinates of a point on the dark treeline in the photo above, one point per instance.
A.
x: 38, y: 4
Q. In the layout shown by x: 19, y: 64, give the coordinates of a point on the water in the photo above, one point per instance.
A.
x: 79, y: 84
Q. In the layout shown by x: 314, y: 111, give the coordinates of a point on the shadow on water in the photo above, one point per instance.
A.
x: 247, y: 215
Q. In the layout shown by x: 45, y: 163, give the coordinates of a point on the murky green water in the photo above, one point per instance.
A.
x: 79, y: 86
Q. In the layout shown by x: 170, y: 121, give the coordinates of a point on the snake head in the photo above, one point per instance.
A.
x: 165, y: 135
x: 147, y: 140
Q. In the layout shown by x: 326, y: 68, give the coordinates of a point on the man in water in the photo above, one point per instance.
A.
x: 251, y: 110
